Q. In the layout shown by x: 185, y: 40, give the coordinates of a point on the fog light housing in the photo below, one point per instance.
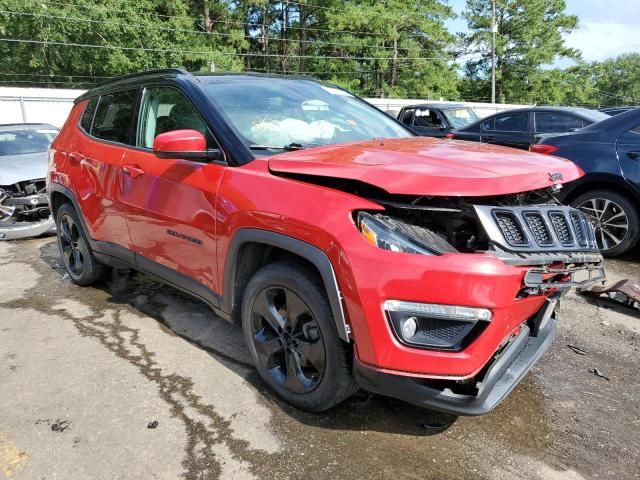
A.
x: 435, y: 326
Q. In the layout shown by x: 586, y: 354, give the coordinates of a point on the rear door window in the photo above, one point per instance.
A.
x: 113, y: 120
x: 512, y: 122
x: 550, y: 122
x: 427, y: 118
x: 489, y: 125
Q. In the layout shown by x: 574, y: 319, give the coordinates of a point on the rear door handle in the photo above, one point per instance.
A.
x: 634, y: 155
x: 133, y: 171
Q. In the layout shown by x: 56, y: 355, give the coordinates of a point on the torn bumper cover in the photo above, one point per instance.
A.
x: 626, y: 292
x: 24, y: 212
x: 482, y: 393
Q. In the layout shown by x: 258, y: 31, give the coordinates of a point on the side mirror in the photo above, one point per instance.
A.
x: 189, y: 144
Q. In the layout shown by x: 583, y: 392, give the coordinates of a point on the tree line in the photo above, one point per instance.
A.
x: 387, y: 48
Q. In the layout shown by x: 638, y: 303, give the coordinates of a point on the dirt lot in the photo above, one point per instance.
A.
x: 134, y: 380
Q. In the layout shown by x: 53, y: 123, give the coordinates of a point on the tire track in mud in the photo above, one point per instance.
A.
x: 209, y: 435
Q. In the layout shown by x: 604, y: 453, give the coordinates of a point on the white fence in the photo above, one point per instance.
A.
x: 50, y: 105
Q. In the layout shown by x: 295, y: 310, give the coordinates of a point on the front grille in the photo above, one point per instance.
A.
x: 561, y: 227
x: 511, y: 228
x: 577, y: 222
x: 541, y: 233
x: 540, y: 228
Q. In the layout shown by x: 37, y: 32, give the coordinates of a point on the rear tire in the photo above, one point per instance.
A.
x: 77, y: 257
x: 614, y: 217
x: 290, y: 331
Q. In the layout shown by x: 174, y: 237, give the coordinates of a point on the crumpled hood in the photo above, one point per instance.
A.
x: 429, y: 166
x: 18, y: 168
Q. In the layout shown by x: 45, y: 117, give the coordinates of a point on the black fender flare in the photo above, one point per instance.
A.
x: 301, y: 248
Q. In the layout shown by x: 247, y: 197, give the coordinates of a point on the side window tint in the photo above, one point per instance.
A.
x: 87, y: 115
x: 114, y: 116
x: 165, y: 109
x: 514, y: 122
x: 636, y: 130
x: 427, y: 118
x: 489, y: 124
x: 548, y: 122
x: 406, y: 116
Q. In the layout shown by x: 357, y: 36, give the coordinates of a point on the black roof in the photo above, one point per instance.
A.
x: 440, y: 105
x: 134, y: 78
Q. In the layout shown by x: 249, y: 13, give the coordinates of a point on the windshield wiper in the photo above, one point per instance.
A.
x: 287, y: 148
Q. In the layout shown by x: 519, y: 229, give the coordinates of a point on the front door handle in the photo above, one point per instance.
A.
x: 634, y: 155
x: 133, y: 171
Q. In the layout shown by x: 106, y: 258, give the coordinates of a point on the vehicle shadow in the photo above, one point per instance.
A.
x: 194, y: 321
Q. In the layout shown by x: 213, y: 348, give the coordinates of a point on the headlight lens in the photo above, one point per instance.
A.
x: 381, y: 235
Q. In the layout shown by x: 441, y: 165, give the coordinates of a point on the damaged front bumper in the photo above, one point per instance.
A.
x: 18, y: 230
x: 24, y: 211
x: 486, y: 390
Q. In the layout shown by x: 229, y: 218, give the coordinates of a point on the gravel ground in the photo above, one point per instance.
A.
x: 135, y: 380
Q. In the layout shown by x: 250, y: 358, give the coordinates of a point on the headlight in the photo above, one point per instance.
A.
x: 388, y: 237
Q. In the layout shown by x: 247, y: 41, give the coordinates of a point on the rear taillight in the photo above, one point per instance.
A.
x: 542, y: 148
x: 449, y: 135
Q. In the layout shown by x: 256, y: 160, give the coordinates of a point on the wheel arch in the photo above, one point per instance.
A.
x: 250, y: 249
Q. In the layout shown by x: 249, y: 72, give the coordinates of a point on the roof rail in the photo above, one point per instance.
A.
x: 101, y: 87
x: 147, y: 72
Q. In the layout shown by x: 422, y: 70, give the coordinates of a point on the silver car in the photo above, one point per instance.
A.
x: 24, y: 209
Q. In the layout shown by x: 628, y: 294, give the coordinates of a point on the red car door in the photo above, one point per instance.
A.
x: 171, y: 202
x: 95, y: 164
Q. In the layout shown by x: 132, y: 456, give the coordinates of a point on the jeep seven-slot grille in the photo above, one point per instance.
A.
x: 511, y: 228
x: 547, y: 228
x: 541, y: 233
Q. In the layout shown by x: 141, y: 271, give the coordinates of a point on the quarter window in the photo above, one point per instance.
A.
x: 165, y: 109
x: 87, y: 115
x: 114, y: 116
x: 548, y: 122
x: 514, y: 122
x: 489, y: 124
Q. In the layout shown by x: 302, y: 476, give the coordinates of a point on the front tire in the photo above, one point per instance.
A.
x: 77, y: 257
x: 291, y: 334
x: 614, y: 217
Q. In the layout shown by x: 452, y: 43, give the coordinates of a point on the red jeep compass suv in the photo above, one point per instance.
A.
x: 352, y: 253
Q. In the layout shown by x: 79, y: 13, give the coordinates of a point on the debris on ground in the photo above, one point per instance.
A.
x: 154, y: 424
x: 577, y: 350
x: 598, y: 373
x: 625, y: 292
x: 605, y: 323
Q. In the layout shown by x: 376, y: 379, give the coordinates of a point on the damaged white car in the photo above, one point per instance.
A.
x: 24, y: 208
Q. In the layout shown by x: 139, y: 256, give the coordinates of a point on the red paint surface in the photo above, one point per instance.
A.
x: 211, y: 202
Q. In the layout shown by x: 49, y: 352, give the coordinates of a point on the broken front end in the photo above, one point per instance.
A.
x: 479, y: 301
x: 24, y: 210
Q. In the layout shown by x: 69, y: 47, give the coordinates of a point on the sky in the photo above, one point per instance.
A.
x: 606, y: 28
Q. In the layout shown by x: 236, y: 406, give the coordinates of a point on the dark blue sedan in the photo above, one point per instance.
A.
x: 609, y: 154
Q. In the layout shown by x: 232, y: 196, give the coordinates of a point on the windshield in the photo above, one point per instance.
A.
x: 461, y: 117
x: 20, y: 142
x: 275, y: 114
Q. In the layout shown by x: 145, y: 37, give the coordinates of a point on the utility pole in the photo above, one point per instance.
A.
x: 494, y: 30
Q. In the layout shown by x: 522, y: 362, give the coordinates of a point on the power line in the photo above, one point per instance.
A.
x: 226, y: 22
x: 198, y: 32
x: 210, y: 52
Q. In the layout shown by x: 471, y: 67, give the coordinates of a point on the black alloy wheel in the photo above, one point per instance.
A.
x: 291, y: 333
x: 78, y: 259
x: 287, y: 340
x: 72, y: 247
